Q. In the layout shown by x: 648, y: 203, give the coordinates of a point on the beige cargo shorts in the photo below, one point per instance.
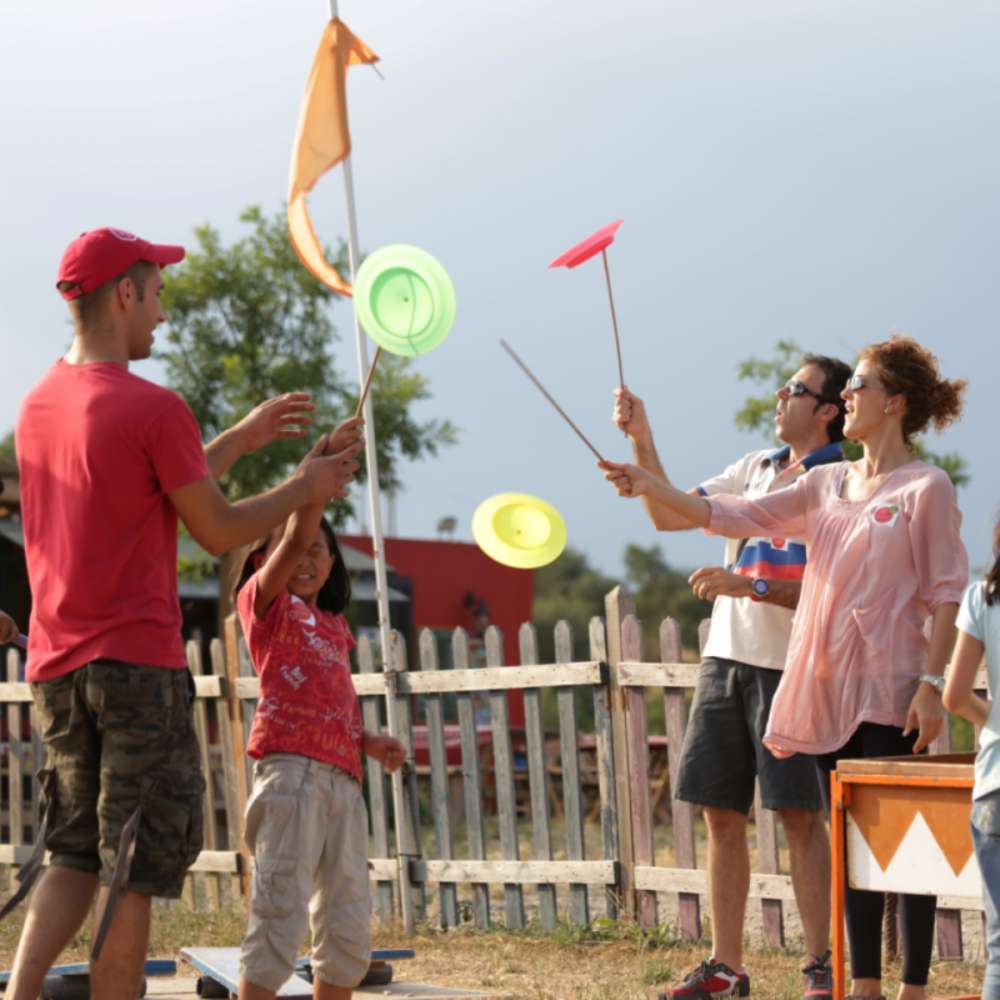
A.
x: 307, y: 826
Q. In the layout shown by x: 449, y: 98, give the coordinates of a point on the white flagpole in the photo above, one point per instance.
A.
x: 389, y: 663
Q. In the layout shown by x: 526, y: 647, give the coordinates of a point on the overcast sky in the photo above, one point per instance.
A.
x: 821, y: 171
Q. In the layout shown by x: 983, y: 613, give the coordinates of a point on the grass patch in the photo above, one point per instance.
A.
x: 609, y: 960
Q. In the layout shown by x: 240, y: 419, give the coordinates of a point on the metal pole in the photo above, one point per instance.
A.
x: 378, y: 551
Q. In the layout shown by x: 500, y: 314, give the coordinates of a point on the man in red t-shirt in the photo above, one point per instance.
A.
x: 108, y: 462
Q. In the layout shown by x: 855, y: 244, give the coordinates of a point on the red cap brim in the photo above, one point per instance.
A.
x: 164, y: 254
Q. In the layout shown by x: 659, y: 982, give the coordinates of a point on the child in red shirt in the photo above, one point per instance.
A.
x: 306, y: 821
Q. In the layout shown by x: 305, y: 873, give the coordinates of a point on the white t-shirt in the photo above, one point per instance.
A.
x: 748, y: 631
x: 982, y: 622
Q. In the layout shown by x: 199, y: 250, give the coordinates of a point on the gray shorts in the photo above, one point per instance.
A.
x: 723, y: 752
x: 307, y: 826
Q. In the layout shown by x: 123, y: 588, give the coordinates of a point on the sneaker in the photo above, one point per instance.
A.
x: 819, y: 978
x: 710, y: 981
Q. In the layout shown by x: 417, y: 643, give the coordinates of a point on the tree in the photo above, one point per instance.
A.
x: 569, y: 589
x: 757, y: 412
x: 8, y: 453
x: 247, y: 321
x: 661, y: 591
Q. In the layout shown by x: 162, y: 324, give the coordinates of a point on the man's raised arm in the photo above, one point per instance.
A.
x: 630, y: 416
x: 218, y: 525
x: 275, y: 419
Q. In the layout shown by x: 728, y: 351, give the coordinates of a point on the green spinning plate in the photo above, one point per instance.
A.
x: 405, y: 299
x: 519, y: 530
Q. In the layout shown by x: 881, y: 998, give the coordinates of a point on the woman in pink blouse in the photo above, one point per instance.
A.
x: 861, y: 679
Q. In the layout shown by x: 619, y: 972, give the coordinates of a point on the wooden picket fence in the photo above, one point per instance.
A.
x: 547, y: 825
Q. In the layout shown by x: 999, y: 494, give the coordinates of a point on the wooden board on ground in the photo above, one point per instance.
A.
x: 154, y: 967
x: 223, y: 965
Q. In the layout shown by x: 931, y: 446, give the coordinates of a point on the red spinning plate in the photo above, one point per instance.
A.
x: 586, y: 249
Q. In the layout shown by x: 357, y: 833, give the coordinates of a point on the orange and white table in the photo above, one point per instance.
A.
x: 900, y: 824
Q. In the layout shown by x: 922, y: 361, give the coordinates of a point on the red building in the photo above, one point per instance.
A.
x: 455, y: 585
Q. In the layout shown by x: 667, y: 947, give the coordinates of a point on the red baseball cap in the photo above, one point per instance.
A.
x: 100, y: 255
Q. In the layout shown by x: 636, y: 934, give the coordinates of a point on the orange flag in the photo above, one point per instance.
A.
x: 322, y: 140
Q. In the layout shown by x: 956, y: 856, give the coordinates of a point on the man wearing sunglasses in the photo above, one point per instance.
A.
x: 755, y: 594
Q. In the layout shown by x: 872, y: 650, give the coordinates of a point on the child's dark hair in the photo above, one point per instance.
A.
x: 334, y: 596
x: 993, y: 577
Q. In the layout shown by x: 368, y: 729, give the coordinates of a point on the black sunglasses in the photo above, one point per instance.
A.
x: 793, y: 387
x: 856, y: 382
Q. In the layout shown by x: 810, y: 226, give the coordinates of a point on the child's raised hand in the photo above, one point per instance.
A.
x: 390, y: 753
x: 328, y: 476
x: 349, y: 433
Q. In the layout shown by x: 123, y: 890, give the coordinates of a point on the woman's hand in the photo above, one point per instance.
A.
x: 926, y: 715
x: 628, y: 480
x: 390, y: 753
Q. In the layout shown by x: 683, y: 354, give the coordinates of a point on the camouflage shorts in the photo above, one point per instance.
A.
x: 119, y: 735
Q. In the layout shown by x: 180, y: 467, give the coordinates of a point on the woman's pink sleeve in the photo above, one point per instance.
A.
x: 939, y: 556
x: 782, y: 513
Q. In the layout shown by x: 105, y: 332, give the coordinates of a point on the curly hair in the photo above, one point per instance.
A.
x: 907, y: 369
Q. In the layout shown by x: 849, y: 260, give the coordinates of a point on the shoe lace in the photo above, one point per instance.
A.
x: 819, y: 963
x: 702, y: 971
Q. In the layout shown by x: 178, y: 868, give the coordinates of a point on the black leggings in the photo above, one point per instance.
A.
x: 865, y: 908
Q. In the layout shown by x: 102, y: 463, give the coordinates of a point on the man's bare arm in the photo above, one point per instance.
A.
x: 711, y: 582
x: 784, y: 593
x: 218, y: 525
x: 275, y: 419
x: 630, y: 417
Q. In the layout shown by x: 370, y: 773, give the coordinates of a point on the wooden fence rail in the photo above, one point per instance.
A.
x: 570, y: 816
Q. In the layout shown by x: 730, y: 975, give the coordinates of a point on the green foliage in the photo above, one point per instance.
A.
x: 247, y: 321
x: 571, y: 589
x: 606, y: 929
x: 662, y: 591
x: 757, y: 412
x: 951, y: 462
x: 7, y: 451
x: 963, y: 735
x: 656, y: 971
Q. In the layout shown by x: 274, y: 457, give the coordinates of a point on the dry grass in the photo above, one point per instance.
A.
x: 612, y: 961
x: 608, y: 960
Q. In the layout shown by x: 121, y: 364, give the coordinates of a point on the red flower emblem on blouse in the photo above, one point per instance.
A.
x: 883, y: 515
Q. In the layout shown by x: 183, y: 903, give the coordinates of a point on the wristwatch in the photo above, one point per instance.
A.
x: 936, y: 681
x: 759, y: 589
